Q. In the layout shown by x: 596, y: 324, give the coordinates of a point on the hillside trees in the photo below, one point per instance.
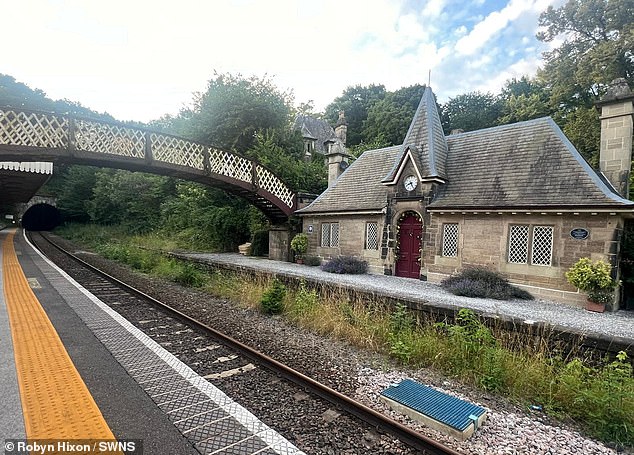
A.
x: 598, y: 47
x: 356, y: 101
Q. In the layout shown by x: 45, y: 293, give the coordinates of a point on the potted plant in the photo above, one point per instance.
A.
x: 299, y: 245
x: 595, y: 279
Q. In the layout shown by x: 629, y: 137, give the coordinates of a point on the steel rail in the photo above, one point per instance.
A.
x: 361, y: 411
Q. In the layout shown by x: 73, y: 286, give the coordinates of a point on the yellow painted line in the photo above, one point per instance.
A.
x: 55, y: 401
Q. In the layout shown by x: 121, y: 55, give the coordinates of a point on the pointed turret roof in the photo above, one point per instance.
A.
x: 425, y: 140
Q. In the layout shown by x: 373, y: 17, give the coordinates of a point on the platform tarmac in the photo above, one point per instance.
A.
x: 609, y: 327
x: 109, y: 355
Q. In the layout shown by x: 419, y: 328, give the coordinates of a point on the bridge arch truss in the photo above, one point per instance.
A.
x: 41, y: 136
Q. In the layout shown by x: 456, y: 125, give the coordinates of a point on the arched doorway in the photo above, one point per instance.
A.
x: 410, y: 230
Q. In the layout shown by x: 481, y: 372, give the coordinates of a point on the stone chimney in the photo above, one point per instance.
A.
x: 341, y: 128
x: 616, y: 110
x: 337, y: 160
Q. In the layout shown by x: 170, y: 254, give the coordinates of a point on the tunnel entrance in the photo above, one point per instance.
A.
x: 41, y: 217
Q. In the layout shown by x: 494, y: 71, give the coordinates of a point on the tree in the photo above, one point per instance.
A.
x: 471, y: 111
x: 598, y: 48
x: 355, y: 101
x: 75, y: 190
x: 389, y: 118
x: 233, y: 109
x: 132, y: 199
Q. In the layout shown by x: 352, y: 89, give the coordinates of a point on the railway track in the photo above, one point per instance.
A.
x: 227, y: 362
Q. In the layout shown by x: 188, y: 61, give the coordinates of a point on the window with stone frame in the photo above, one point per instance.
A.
x: 371, y: 236
x: 329, y: 234
x: 530, y: 242
x: 450, y: 240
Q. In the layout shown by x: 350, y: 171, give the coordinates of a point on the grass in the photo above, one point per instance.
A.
x: 522, y: 367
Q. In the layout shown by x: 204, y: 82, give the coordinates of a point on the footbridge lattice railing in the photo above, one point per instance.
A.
x: 71, y: 136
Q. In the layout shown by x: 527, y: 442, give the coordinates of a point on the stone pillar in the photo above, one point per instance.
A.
x: 341, y: 128
x: 615, y: 159
x: 337, y: 161
x: 279, y: 242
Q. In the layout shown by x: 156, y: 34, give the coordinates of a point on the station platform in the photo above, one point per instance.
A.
x: 74, y: 374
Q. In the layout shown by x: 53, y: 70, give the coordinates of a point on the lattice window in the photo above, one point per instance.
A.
x: 325, y: 234
x: 329, y: 234
x: 372, y: 236
x: 173, y: 150
x: 109, y: 139
x: 518, y: 244
x: 450, y: 240
x: 542, y: 245
x: 334, y: 234
x: 33, y: 130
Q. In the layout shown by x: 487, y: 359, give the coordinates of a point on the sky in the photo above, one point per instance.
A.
x: 141, y: 59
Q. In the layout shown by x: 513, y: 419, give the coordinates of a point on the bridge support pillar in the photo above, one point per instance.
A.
x: 280, y: 242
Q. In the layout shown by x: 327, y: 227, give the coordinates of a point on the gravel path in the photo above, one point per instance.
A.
x: 615, y: 324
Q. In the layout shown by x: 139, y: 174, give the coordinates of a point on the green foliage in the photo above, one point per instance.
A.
x: 234, y: 108
x: 272, y: 301
x: 131, y: 199
x: 484, y: 283
x: 389, y: 118
x: 471, y: 111
x: 260, y: 243
x: 602, y: 397
x: 299, y: 244
x: 355, y: 101
x: 305, y: 302
x: 205, y: 218
x: 401, y: 325
x: 591, y: 276
x: 76, y: 185
x: 282, y: 153
x: 597, y: 48
x: 583, y: 127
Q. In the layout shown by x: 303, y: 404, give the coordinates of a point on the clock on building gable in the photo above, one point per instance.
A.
x: 410, y: 183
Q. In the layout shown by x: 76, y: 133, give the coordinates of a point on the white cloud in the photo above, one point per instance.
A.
x: 485, y: 30
x: 142, y: 59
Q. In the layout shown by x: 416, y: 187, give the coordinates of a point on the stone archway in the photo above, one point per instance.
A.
x: 409, y: 236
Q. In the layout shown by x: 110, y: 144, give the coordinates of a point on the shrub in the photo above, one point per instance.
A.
x: 591, y: 276
x: 312, y: 261
x: 260, y: 243
x: 272, y: 301
x: 346, y: 264
x: 305, y: 301
x: 480, y: 282
x: 299, y: 244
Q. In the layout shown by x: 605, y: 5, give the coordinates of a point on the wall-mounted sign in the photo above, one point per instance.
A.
x: 310, y: 228
x: 9, y: 217
x: 579, y: 233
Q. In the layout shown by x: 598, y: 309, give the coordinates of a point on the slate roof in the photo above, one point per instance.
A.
x: 316, y: 129
x: 359, y: 188
x: 426, y: 139
x: 525, y: 164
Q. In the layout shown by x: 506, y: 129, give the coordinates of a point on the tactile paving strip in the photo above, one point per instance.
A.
x: 227, y: 427
x: 55, y: 401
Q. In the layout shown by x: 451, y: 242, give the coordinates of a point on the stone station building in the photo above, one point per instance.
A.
x: 518, y: 199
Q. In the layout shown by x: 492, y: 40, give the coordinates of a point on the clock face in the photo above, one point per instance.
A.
x: 410, y: 183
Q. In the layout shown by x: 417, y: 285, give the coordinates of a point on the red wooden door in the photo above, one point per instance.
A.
x: 410, y: 232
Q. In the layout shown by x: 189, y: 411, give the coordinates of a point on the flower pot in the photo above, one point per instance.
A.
x: 596, y: 307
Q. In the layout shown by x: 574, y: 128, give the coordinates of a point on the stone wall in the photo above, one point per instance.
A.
x: 483, y: 241
x: 351, y: 238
